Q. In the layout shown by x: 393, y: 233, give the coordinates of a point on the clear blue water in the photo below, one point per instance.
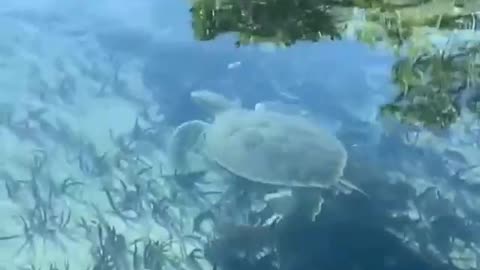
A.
x: 97, y: 88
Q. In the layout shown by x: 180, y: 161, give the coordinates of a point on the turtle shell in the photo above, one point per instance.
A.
x: 275, y: 148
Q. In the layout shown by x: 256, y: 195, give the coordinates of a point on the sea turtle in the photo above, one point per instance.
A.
x: 261, y: 145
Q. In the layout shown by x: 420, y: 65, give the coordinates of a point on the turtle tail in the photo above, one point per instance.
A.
x: 346, y: 186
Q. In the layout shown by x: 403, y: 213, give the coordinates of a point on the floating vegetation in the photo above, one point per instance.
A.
x: 435, y: 87
x: 280, y: 21
x: 285, y: 22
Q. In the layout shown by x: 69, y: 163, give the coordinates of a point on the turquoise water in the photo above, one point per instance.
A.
x: 91, y: 94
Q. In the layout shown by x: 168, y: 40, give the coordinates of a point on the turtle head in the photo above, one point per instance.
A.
x: 212, y: 102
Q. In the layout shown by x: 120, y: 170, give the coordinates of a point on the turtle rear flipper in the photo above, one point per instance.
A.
x: 347, y: 187
x: 184, y: 140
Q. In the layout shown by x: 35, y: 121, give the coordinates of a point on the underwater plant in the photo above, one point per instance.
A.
x: 155, y: 255
x: 134, y: 200
x: 111, y: 252
x: 44, y: 223
x: 43, y: 219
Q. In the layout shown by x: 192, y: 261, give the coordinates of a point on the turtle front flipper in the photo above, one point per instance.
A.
x: 184, y: 140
